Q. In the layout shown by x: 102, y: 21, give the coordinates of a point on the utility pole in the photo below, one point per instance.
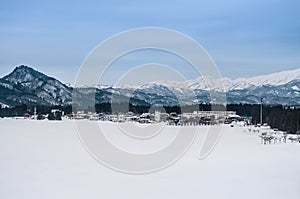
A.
x: 261, y: 109
x: 34, y: 112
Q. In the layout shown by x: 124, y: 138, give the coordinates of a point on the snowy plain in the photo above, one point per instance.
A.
x: 44, y: 159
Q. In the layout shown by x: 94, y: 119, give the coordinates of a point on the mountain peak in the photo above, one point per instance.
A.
x: 23, y: 74
x: 24, y: 68
x: 46, y: 89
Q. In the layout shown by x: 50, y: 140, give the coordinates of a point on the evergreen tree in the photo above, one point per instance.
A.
x: 51, y: 116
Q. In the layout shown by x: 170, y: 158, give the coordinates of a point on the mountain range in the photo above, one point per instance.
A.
x: 25, y: 85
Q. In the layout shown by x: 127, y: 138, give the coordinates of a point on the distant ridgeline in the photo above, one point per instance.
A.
x: 281, y: 117
x: 25, y: 85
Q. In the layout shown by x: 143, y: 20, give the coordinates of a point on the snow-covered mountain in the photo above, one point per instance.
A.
x: 28, y: 86
x: 46, y: 90
x: 277, y: 88
x: 226, y: 84
x: 275, y: 79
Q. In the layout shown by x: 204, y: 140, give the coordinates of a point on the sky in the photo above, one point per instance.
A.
x: 244, y: 38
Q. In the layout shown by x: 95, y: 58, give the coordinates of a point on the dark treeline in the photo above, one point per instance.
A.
x: 283, y: 118
x: 21, y: 110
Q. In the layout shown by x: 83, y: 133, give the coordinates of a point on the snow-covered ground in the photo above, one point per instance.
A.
x: 43, y: 159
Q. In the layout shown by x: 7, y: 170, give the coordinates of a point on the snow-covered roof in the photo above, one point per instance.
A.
x: 234, y: 116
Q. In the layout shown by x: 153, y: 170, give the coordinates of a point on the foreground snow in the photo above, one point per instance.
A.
x: 42, y: 159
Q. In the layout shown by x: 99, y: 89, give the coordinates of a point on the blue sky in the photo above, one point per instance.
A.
x: 244, y: 38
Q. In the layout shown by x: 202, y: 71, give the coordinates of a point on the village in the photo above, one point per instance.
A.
x: 264, y: 132
x: 184, y: 119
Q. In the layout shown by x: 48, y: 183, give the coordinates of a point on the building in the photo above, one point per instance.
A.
x: 160, y: 117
